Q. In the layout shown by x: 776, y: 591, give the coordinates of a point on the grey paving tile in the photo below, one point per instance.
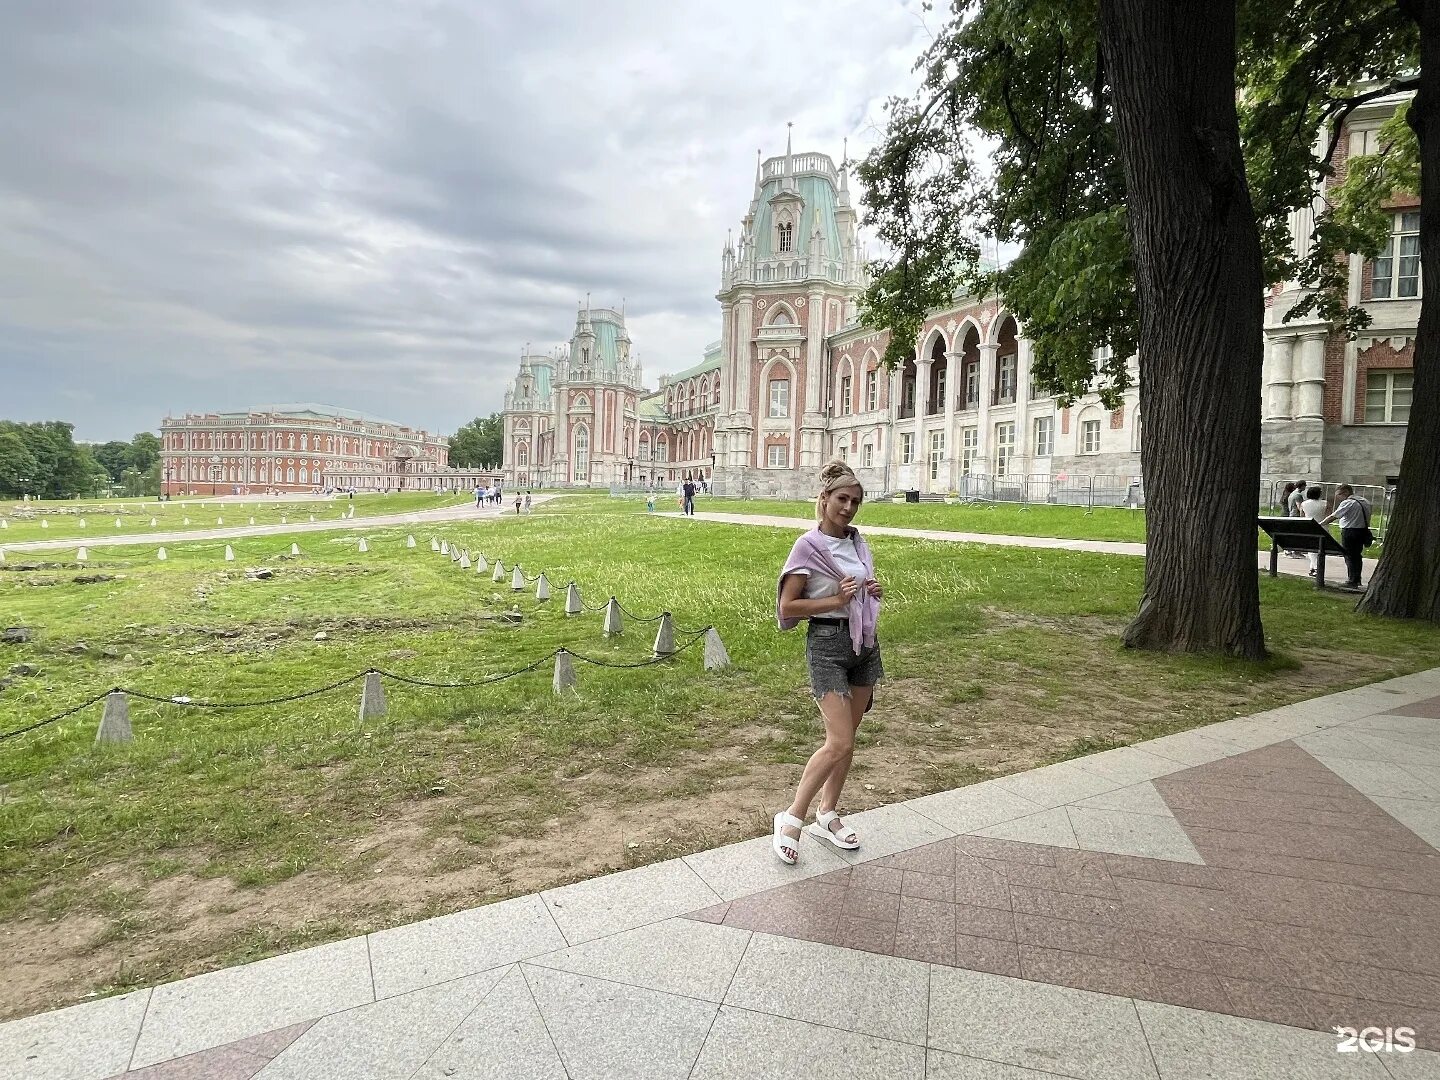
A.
x: 1056, y: 1029
x: 219, y: 1063
x: 1128, y: 764
x: 1382, y: 778
x: 223, y: 1006
x: 1050, y: 827
x: 1191, y: 748
x: 84, y: 1042
x: 1420, y: 816
x: 941, y: 1065
x: 751, y: 1046
x: 883, y: 995
x: 503, y: 1039
x: 1419, y: 729
x: 751, y: 866
x: 1055, y: 785
x: 603, y: 1029
x: 966, y: 809
x: 1140, y: 798
x: 1147, y: 836
x: 1237, y: 1048
x: 1254, y: 732
x: 1415, y: 1065
x: 386, y: 1040
x: 888, y: 829
x: 678, y: 956
x: 421, y: 954
x: 1347, y: 742
x: 615, y: 902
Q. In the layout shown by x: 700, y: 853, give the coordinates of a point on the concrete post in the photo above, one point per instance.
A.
x: 372, y: 697
x: 409, y: 541
x: 218, y: 521
x: 444, y: 547
x: 115, y: 721
x: 252, y: 521
x: 481, y: 566
x: 364, y: 546
x: 612, y: 618
x: 572, y: 599
x: 2, y: 555
x: 82, y: 554
x: 715, y: 655
x: 665, y: 636
x: 294, y: 549
x: 542, y: 587
x: 464, y: 562
x: 229, y: 553
x: 434, y: 544
x: 160, y: 555
x: 499, y: 574
x: 152, y: 523
x: 517, y: 579
x: 564, y: 672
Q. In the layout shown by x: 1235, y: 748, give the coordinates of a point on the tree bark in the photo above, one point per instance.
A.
x: 1406, y: 583
x: 1199, y: 288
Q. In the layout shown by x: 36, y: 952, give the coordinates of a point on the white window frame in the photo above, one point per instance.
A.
x: 779, y: 397
x: 867, y: 455
x: 1004, y: 447
x: 1044, y: 436
x: 1087, y: 445
x: 775, y: 456
x: 846, y: 386
x: 969, y: 445
x: 907, y: 448
x: 1393, y: 284
x: 872, y: 390
x: 582, y: 453
x: 937, y: 453
x: 1006, y: 370
x: 1387, y: 379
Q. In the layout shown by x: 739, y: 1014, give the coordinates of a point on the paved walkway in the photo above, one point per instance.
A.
x: 1211, y: 904
x: 1334, y: 565
x: 460, y: 512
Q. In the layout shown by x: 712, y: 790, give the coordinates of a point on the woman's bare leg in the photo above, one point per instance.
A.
x: 839, y: 743
x: 835, y: 782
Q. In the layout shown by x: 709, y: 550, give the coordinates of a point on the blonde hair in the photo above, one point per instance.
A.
x: 835, y: 475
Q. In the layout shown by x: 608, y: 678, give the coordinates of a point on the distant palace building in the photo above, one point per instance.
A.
x: 298, y: 448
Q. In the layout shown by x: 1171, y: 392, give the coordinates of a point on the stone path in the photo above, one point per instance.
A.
x: 1334, y: 565
x: 1204, y: 906
x: 440, y: 514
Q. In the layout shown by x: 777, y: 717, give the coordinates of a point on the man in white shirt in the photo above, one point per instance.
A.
x: 1353, y: 516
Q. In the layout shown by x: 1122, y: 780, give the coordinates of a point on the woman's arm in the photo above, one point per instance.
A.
x: 793, y: 606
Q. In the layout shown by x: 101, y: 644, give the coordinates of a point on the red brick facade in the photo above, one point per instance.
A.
x: 1381, y: 356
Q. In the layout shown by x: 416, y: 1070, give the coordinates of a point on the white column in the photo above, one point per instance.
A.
x: 727, y: 352
x: 1309, y: 397
x: 1279, y: 360
x: 982, y: 423
x: 1022, y: 403
x: 954, y: 380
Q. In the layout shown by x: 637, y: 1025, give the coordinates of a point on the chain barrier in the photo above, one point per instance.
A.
x: 636, y: 618
x: 465, y: 685
x: 43, y: 723
x: 182, y: 700
x: 643, y: 663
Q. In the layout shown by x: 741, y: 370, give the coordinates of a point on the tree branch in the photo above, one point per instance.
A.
x: 1349, y: 105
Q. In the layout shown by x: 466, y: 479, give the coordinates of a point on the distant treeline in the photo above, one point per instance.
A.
x: 44, y: 460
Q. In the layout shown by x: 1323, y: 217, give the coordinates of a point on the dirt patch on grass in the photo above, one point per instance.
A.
x: 481, y: 839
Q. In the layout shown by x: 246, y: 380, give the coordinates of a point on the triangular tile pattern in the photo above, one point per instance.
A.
x: 1314, y: 907
x: 235, y: 1061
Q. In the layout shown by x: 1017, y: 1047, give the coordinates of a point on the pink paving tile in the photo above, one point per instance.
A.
x: 1314, y: 904
x: 221, y: 1063
x: 1428, y: 709
x: 269, y: 1044
x: 714, y: 914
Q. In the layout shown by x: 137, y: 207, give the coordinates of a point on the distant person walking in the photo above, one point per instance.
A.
x: 479, y: 494
x: 1294, y: 499
x: 527, y: 502
x: 687, y: 497
x: 1353, y: 517
x: 829, y: 581
x: 517, y: 500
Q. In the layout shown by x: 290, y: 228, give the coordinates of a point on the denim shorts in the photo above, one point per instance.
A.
x: 834, y: 664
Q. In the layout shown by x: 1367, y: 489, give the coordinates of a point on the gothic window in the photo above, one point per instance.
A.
x: 787, y: 236
x: 715, y: 392
x: 779, y: 397
x: 582, y: 453
x: 872, y: 390
x: 522, y: 455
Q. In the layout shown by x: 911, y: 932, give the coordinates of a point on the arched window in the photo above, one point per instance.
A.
x: 786, y: 232
x: 522, y: 454
x: 715, y: 392
x: 582, y: 453
x: 304, y: 475
x: 289, y: 476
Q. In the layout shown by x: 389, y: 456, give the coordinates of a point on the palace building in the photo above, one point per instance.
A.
x: 795, y: 379
x: 297, y: 448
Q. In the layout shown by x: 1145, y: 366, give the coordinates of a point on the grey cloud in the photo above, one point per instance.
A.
x: 210, y: 203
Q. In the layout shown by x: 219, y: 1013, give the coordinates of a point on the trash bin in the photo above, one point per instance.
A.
x: 912, y: 496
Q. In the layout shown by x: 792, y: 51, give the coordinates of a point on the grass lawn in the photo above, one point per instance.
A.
x: 222, y: 835
x: 62, y: 518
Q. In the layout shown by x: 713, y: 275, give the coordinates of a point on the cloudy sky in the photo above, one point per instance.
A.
x: 208, y: 204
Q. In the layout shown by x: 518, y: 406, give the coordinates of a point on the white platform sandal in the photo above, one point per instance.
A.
x: 781, y: 843
x: 845, y: 838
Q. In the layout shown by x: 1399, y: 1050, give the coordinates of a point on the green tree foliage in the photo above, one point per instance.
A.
x: 18, y: 467
x: 145, y: 451
x: 114, y: 457
x: 478, y: 444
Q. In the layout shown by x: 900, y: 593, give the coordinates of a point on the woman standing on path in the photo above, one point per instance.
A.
x: 829, y: 580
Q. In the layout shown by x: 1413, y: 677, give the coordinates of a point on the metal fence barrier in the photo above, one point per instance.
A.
x: 1380, y: 498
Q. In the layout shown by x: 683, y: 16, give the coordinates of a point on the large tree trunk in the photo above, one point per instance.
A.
x: 1200, y: 289
x: 1407, y: 581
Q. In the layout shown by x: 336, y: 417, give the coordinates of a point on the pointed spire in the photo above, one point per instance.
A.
x: 788, y: 126
x: 758, y: 177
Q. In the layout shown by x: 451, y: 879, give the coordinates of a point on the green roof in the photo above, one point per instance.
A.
x: 710, y: 363
x: 819, y: 200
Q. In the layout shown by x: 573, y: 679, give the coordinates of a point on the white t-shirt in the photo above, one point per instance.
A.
x: 1314, y: 509
x: 818, y: 586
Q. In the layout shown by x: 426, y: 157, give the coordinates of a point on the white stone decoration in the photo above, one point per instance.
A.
x: 517, y: 579
x: 444, y: 547
x: 542, y: 587
x: 409, y: 541
x: 665, y: 636
x: 372, y: 697
x: 160, y: 555
x: 294, y: 549
x: 564, y: 672
x: 115, y: 720
x: 573, y: 605
x: 434, y: 544
x: 229, y: 553
x: 613, y: 624
x: 481, y: 566
x: 499, y: 574
x: 82, y: 554
x: 715, y: 655
x: 364, y: 546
